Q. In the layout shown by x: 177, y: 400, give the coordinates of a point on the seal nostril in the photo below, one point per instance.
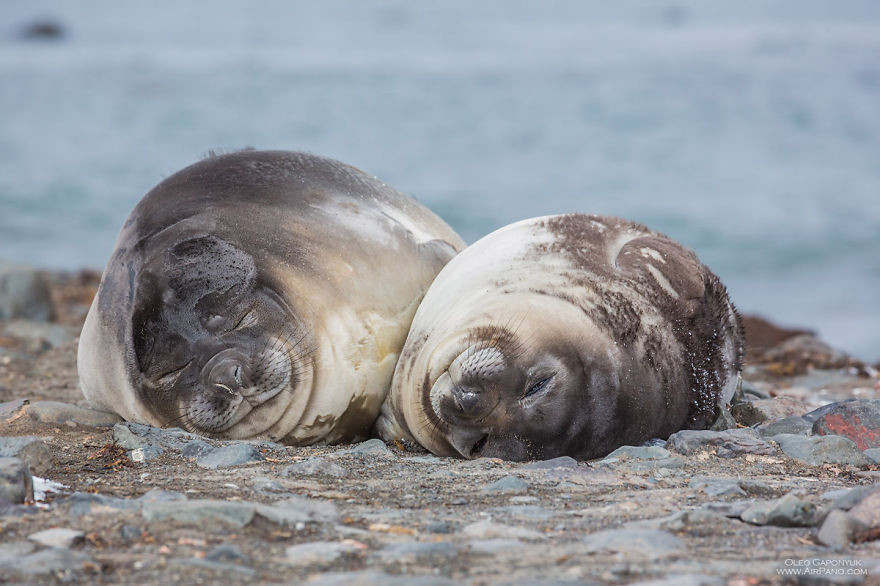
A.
x: 466, y: 400
x: 479, y: 446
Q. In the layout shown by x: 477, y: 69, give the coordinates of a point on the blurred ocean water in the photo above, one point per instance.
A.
x: 749, y: 131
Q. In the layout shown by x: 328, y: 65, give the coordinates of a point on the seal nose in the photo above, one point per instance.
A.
x: 227, y: 375
x: 466, y: 398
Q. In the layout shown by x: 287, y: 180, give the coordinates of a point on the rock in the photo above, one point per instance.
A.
x: 788, y: 511
x: 83, y: 503
x: 315, y: 466
x: 493, y: 546
x: 237, y: 514
x: 132, y: 436
x: 16, y: 482
x: 723, y: 419
x: 507, y: 484
x: 636, y: 453
x: 732, y: 442
x: 130, y: 533
x: 857, y: 420
x: 47, y: 561
x: 373, y: 447
x: 698, y: 521
x: 195, y: 448
x: 230, y: 455
x: 41, y: 336
x: 374, y: 577
x: 874, y: 454
x: 718, y: 486
x: 29, y: 448
x: 524, y: 511
x: 439, y: 527
x: 847, y: 498
x: 838, y: 529
x: 228, y: 553
x: 14, y: 550
x: 815, y: 414
x: 145, y: 454
x: 313, y: 509
x: 752, y: 412
x: 24, y: 294
x: 488, y: 529
x: 560, y: 462
x: 733, y: 509
x: 417, y: 550
x: 56, y: 412
x: 157, y: 495
x: 57, y: 537
x: 794, y: 425
x: 10, y: 409
x: 828, y: 449
x: 868, y: 509
x: 268, y: 486
x: 216, y: 567
x: 318, y: 552
x: 642, y: 542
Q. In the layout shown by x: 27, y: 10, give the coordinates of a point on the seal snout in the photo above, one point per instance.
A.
x: 227, y: 371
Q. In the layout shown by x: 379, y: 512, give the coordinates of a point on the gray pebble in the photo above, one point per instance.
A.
x: 493, y: 546
x: 787, y: 511
x: 130, y: 533
x: 734, y: 442
x: 718, y: 487
x: 838, y: 529
x: 817, y: 450
x: 649, y: 542
x: 57, y: 537
x: 83, y: 503
x: 701, y: 519
x: 56, y: 412
x: 216, y: 567
x: 733, y: 509
x: 507, y: 484
x: 874, y: 454
x: 47, y: 561
x: 867, y: 510
x: 847, y: 498
x: 317, y: 510
x: 313, y: 466
x: 29, y: 448
x: 24, y: 293
x: 238, y: 514
x: 131, y: 436
x: 637, y: 453
x: 16, y: 482
x: 157, y: 495
x: 417, y: 550
x: 439, y: 527
x: 560, y: 462
x: 195, y: 448
x: 723, y: 421
x: 318, y: 552
x: 268, y: 486
x: 228, y: 553
x: 372, y: 447
x: 795, y: 425
x: 458, y: 502
x: 233, y: 454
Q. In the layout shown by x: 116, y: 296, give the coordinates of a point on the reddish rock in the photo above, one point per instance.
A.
x: 857, y: 420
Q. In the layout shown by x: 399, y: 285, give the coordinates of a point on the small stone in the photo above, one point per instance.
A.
x: 700, y: 521
x: 733, y: 509
x: 317, y: 552
x: 857, y: 420
x: 24, y: 293
x: 29, y: 448
x: 228, y: 553
x: 237, y: 514
x: 788, y: 511
x: 818, y: 450
x: 49, y: 560
x: 417, y: 550
x: 317, y: 510
x: 874, y: 454
x: 761, y: 410
x: 524, y: 511
x: 868, y: 509
x: 638, y: 453
x: 145, y: 454
x: 795, y: 425
x: 268, y: 486
x: 315, y: 466
x: 16, y: 482
x: 507, y: 484
x: 221, y: 568
x: 11, y: 409
x: 130, y: 533
x: 157, y: 495
x: 718, y: 486
x: 644, y: 542
x: 131, y: 436
x: 734, y: 442
x: 560, y: 462
x: 195, y: 449
x: 57, y: 537
x: 233, y: 454
x: 372, y: 447
x: 838, y: 529
x: 489, y: 529
x: 847, y: 498
x: 56, y: 412
x: 14, y: 550
x: 493, y: 546
x: 723, y: 420
x: 81, y: 503
x: 440, y: 527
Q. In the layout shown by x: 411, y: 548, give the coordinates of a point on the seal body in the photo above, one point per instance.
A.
x: 564, y: 335
x: 261, y: 294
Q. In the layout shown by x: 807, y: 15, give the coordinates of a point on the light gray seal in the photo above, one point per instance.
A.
x: 564, y: 335
x: 261, y: 294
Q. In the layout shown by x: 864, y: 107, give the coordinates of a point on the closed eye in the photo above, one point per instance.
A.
x: 538, y: 386
x: 248, y: 319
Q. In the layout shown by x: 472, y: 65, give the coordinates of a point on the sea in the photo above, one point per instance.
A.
x: 749, y: 131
